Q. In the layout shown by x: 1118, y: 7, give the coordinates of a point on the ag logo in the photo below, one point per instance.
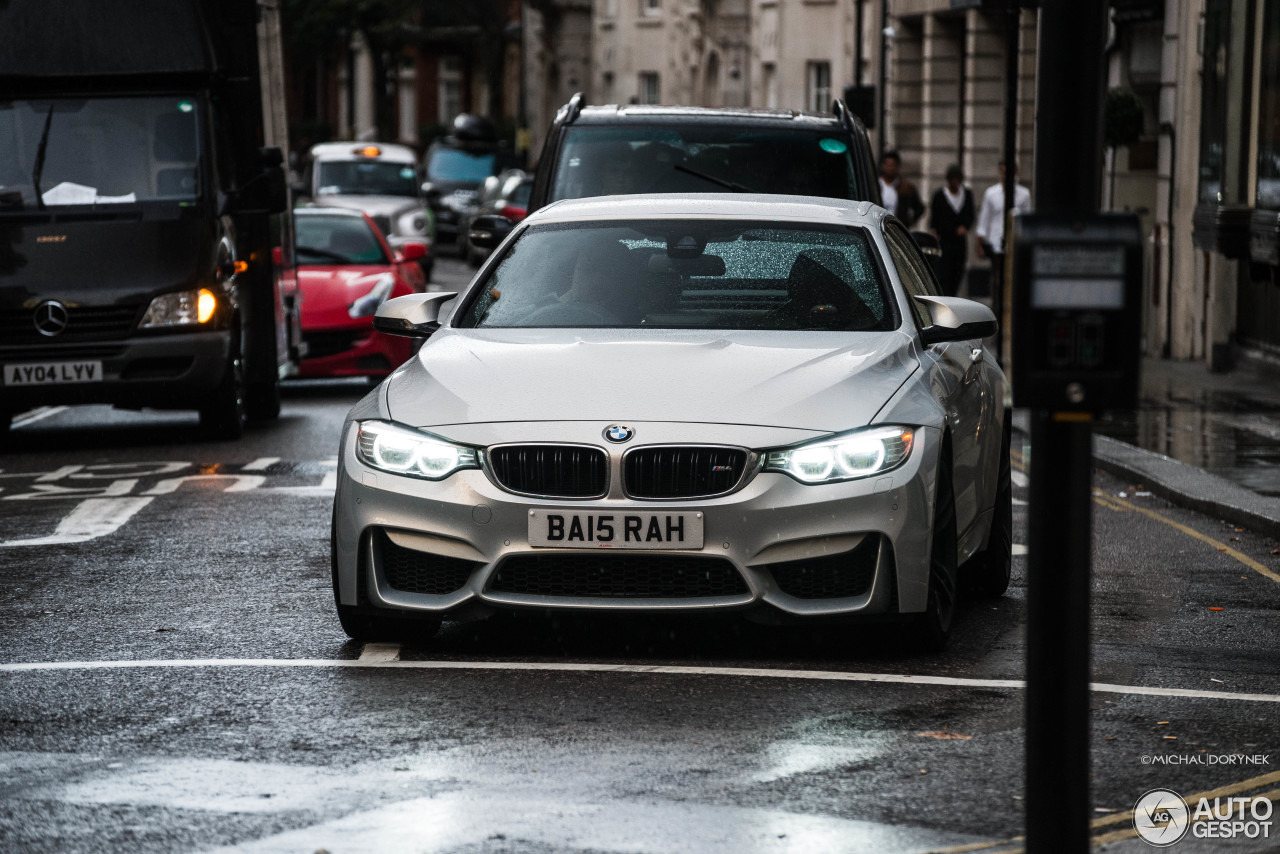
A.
x: 618, y: 433
x: 1161, y: 817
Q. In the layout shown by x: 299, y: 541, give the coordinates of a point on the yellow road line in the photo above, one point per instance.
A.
x: 1001, y: 846
x: 1192, y: 532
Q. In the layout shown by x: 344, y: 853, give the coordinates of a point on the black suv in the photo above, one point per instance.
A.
x: 457, y: 166
x: 596, y: 151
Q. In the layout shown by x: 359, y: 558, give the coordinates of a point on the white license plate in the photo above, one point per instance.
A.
x: 53, y: 373
x: 621, y: 530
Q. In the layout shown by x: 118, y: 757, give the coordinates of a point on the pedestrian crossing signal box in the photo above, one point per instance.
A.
x: 1077, y: 309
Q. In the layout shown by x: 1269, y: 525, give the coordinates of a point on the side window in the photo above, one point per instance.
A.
x: 911, y: 270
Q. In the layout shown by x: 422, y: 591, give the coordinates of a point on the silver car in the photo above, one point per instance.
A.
x: 679, y: 403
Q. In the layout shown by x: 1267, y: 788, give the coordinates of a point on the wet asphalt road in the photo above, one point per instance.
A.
x: 251, y: 724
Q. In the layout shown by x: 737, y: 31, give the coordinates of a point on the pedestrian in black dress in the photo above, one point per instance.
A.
x: 951, y: 215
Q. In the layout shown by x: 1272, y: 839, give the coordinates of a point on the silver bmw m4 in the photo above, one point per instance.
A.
x: 680, y: 403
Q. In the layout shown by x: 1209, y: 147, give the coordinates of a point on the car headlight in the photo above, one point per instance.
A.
x: 403, y: 450
x: 181, y: 308
x: 862, y: 453
x: 368, y: 304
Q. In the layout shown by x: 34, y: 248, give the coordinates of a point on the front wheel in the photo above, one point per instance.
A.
x: 224, y: 415
x: 933, y: 627
x: 987, y: 573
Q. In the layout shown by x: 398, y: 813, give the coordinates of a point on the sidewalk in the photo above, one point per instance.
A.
x: 1206, y: 441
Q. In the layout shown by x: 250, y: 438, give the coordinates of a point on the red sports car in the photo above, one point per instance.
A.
x: 346, y: 269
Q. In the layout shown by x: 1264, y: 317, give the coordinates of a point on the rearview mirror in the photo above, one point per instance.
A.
x: 413, y: 251
x: 488, y: 231
x: 413, y: 316
x: 956, y: 319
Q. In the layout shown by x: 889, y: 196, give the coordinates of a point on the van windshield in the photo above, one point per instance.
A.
x: 706, y: 157
x: 87, y: 151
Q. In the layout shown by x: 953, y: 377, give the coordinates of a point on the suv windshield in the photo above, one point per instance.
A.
x: 454, y: 164
x: 680, y: 274
x: 84, y: 151
x: 366, y: 178
x: 707, y: 157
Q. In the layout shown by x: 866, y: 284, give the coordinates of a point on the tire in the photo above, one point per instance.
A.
x: 933, y: 627
x: 365, y: 624
x: 225, y: 415
x: 987, y: 573
x: 262, y: 400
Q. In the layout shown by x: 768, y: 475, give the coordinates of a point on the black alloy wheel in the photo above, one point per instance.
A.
x: 933, y: 627
x: 988, y: 572
x: 366, y: 624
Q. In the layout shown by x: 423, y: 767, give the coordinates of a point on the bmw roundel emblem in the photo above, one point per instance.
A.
x: 618, y: 432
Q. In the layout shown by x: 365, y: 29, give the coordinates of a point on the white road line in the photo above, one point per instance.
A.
x: 1020, y: 479
x: 91, y: 518
x: 1019, y: 549
x: 586, y: 667
x: 380, y: 652
x: 261, y: 464
x: 38, y: 414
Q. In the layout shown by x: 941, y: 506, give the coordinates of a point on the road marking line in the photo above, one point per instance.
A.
x: 1192, y: 532
x: 38, y: 414
x: 92, y: 518
x: 656, y: 669
x: 380, y: 652
x: 261, y: 464
x: 1019, y: 479
x: 1019, y: 549
x: 1221, y: 791
x: 1130, y: 833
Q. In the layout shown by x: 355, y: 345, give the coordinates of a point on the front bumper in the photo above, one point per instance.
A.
x: 466, y: 529
x: 174, y: 371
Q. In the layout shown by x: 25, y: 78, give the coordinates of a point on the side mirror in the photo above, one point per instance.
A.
x: 413, y: 316
x: 413, y: 251
x: 488, y: 231
x: 956, y: 319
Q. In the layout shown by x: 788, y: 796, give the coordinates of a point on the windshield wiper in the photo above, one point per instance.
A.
x: 39, y: 167
x: 723, y: 182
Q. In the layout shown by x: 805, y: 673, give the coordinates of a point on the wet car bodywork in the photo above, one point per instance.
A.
x: 515, y: 416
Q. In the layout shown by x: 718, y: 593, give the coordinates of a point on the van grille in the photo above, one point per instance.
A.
x: 84, y: 323
x: 682, y: 472
x: 552, y: 471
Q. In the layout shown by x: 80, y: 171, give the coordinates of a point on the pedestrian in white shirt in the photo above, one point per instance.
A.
x: 990, y: 228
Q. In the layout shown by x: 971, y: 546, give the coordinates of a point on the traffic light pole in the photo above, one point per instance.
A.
x: 1067, y: 174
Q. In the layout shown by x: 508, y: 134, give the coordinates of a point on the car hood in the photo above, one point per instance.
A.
x: 327, y: 292
x: 372, y: 205
x: 807, y: 380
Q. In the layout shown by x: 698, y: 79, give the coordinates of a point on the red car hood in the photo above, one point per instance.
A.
x: 327, y: 292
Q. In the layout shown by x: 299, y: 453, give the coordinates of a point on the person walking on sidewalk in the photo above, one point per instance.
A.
x: 951, y: 216
x: 900, y: 198
x: 990, y: 230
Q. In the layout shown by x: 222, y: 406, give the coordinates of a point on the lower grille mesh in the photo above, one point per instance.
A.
x: 618, y: 576
x: 412, y: 571
x: 831, y: 576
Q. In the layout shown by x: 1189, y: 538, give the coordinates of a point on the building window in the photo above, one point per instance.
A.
x: 607, y: 86
x: 818, y: 88
x: 1214, y: 95
x: 649, y: 92
x: 450, y: 89
x: 1269, y: 120
x: 611, y: 8
x: 650, y: 8
x: 771, y: 86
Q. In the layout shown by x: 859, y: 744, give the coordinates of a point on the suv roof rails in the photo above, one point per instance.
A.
x: 568, y: 114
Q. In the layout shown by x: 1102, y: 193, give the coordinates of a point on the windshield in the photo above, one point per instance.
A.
x: 337, y: 240
x: 85, y: 151
x: 709, y: 157
x: 366, y: 178
x: 454, y: 164
x: 685, y: 274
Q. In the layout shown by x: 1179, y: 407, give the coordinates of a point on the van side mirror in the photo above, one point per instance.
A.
x: 956, y: 319
x: 488, y: 231
x: 413, y: 316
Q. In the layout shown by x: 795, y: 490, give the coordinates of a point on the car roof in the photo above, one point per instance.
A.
x: 350, y: 151
x: 613, y: 113
x: 757, y: 206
